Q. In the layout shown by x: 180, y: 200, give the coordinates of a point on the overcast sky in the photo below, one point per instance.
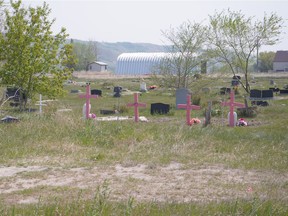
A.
x: 142, y: 21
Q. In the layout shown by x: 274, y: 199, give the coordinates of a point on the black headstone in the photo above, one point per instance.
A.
x: 234, y: 82
x: 117, y: 91
x: 225, y: 90
x: 8, y: 119
x: 284, y: 91
x: 236, y: 77
x: 260, y: 103
x: 107, y: 112
x: 267, y: 93
x: 274, y: 89
x: 13, y: 92
x: 255, y: 93
x: 96, y: 92
x: 159, y: 108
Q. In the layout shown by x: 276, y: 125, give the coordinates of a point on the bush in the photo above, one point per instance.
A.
x: 247, y: 112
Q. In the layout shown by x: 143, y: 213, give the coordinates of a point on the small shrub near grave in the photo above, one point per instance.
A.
x: 196, y: 100
x: 247, y: 112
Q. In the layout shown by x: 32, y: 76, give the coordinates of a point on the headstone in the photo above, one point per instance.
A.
x: 117, y: 91
x: 143, y: 87
x: 96, y: 92
x: 225, y: 90
x: 159, y: 108
x: 234, y: 120
x: 267, y: 94
x: 73, y: 91
x: 272, y: 82
x: 188, y: 106
x: 181, y: 96
x: 9, y: 119
x: 232, y: 104
x: 87, y: 105
x: 136, y: 104
x: 274, y: 89
x: 284, y: 91
x: 15, y: 95
x: 260, y: 103
x: 255, y: 93
x: 234, y: 82
x: 107, y: 112
x: 236, y: 77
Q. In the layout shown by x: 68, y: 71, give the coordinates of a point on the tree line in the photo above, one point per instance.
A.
x: 230, y: 38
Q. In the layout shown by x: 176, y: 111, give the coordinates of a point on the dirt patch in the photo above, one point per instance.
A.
x: 175, y: 182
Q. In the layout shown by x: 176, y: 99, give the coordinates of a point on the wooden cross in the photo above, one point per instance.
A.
x: 40, y: 104
x: 136, y: 104
x: 188, y: 106
x: 232, y: 104
x: 88, y: 96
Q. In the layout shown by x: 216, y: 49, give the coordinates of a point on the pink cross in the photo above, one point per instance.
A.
x: 136, y: 104
x: 232, y: 103
x: 88, y: 96
x: 188, y: 106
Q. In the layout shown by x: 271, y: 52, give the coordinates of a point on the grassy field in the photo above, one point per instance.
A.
x: 58, y: 164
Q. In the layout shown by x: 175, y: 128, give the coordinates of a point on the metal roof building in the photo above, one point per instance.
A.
x: 139, y: 63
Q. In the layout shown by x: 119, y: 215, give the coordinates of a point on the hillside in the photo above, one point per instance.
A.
x: 108, y: 52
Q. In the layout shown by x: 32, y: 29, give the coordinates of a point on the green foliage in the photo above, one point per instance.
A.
x: 233, y: 39
x: 34, y: 59
x: 85, y: 53
x: 266, y: 61
x: 177, y: 70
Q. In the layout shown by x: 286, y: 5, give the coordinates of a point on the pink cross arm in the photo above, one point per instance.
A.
x: 239, y: 105
x: 136, y: 104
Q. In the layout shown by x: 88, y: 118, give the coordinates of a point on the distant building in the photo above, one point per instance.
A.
x: 141, y: 63
x: 138, y: 63
x: 97, y: 66
x: 280, y: 62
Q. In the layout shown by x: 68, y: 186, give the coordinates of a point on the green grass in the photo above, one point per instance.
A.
x: 68, y: 141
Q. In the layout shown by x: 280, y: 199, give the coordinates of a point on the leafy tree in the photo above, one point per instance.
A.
x: 266, y: 61
x: 234, y: 38
x: 34, y: 59
x: 85, y: 53
x: 184, y: 58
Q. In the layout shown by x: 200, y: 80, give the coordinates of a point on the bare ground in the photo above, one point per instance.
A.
x: 175, y: 182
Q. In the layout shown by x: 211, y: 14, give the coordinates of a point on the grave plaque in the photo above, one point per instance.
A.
x: 284, y: 91
x: 143, y: 87
x: 117, y: 91
x: 267, y: 94
x: 181, y: 96
x: 254, y: 93
x: 225, y: 90
x: 96, y: 92
x: 159, y: 108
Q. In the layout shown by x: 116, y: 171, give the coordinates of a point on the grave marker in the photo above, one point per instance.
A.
x: 159, y: 108
x: 88, y: 96
x: 136, y: 104
x: 40, y: 104
x: 232, y: 104
x: 188, y: 106
x: 181, y: 95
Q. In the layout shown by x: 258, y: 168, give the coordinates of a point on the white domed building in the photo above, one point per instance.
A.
x: 139, y: 63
